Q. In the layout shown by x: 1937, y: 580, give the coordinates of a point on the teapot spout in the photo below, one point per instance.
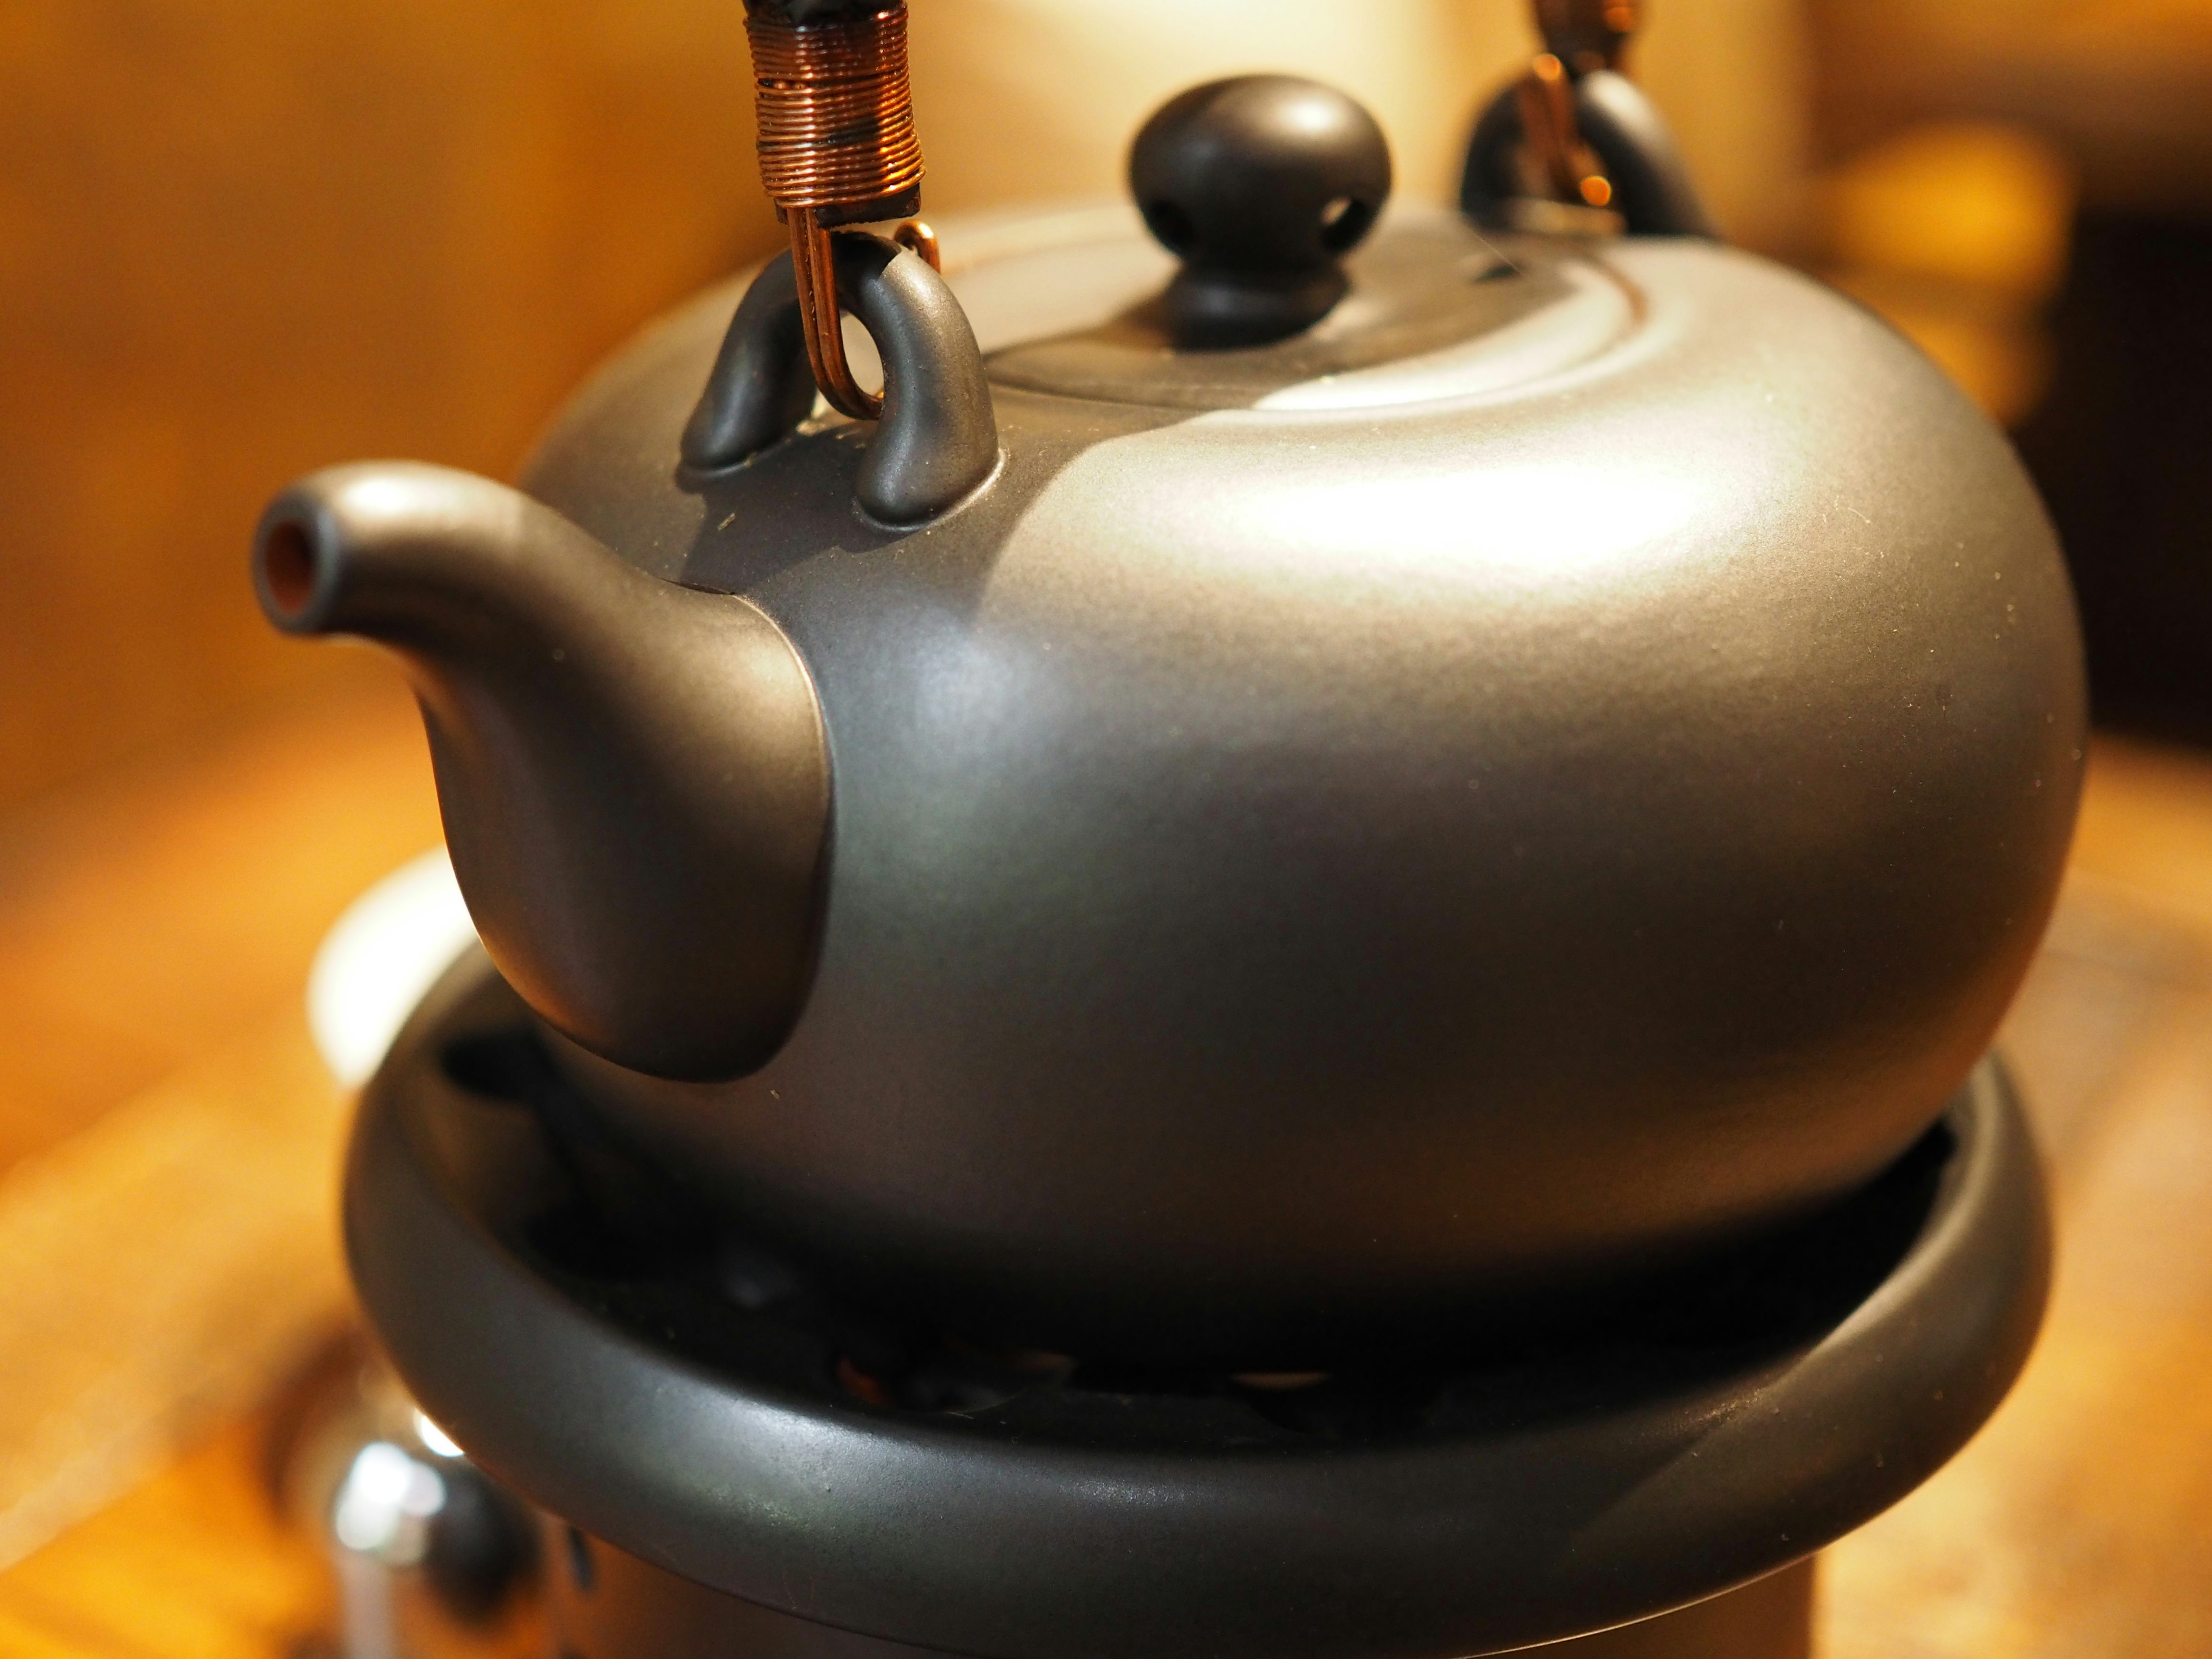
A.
x: 634, y: 776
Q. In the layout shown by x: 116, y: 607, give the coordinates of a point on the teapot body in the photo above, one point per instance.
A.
x: 1321, y: 841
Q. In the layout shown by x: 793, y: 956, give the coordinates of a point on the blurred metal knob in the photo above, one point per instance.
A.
x: 431, y: 1559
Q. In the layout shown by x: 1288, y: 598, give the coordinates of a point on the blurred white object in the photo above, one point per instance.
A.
x: 385, y: 953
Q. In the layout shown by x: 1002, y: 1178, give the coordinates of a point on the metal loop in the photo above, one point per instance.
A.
x: 938, y: 439
x: 1652, y: 191
x: 837, y: 146
x: 1562, y: 162
x: 1574, y: 131
x: 916, y: 235
x: 813, y: 260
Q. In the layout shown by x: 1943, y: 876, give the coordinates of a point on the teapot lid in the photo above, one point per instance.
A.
x: 1264, y: 190
x: 1272, y: 281
x: 1434, y: 309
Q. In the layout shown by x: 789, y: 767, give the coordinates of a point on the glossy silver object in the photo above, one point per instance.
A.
x: 428, y: 1557
x: 1555, y: 767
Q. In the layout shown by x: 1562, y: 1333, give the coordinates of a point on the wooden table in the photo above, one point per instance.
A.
x: 167, y: 1252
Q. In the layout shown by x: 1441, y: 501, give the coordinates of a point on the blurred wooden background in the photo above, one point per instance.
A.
x: 2119, y: 93
x: 240, y: 239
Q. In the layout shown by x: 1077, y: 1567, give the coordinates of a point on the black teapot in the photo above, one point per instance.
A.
x: 1312, y: 767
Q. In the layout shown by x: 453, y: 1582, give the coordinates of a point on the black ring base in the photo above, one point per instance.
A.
x: 672, y: 1394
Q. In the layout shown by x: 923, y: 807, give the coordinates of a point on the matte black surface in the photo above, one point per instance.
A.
x: 633, y: 1609
x: 1426, y: 294
x: 697, y: 1406
x: 936, y: 442
x: 1653, y: 192
x: 1561, y: 765
x: 762, y: 388
x: 1453, y: 826
x: 634, y: 776
x: 1260, y: 184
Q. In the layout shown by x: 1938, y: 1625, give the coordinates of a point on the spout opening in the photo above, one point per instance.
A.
x: 289, y: 570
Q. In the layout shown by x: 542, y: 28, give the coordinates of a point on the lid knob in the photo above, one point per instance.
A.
x: 1260, y: 185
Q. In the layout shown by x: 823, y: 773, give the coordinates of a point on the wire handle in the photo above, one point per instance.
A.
x: 1580, y: 37
x: 837, y: 147
x: 1574, y: 131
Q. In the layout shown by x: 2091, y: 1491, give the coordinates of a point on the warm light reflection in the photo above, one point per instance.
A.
x: 434, y: 1437
x: 1532, y: 524
x: 386, y: 1504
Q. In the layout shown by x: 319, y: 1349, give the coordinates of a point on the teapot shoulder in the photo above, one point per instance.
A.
x: 1734, y: 529
x: 1623, y: 399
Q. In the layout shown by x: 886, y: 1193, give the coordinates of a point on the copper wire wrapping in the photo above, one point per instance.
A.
x: 814, y: 263
x: 837, y: 145
x: 1580, y: 37
x: 835, y: 108
x: 1569, y: 167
